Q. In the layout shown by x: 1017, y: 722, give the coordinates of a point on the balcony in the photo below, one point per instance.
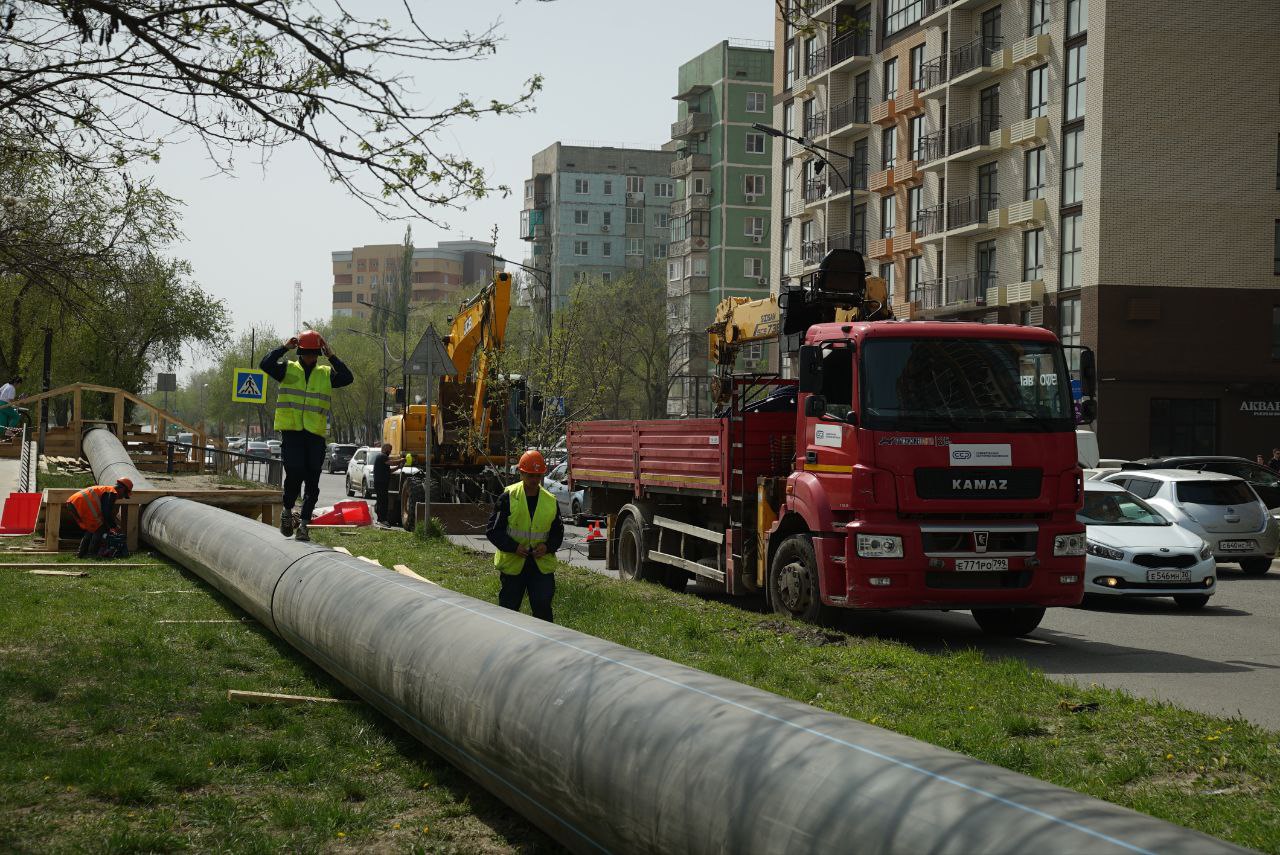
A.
x: 882, y: 113
x: 905, y: 171
x: 538, y: 200
x: 853, y: 48
x: 881, y: 248
x: 969, y: 290
x: 931, y: 8
x: 811, y: 253
x: 1030, y: 50
x: 815, y: 190
x: 850, y: 176
x: 692, y: 202
x: 848, y: 240
x: 907, y: 104
x: 816, y: 126
x: 974, y: 138
x: 1029, y: 131
x: 697, y: 162
x: 691, y: 126
x: 969, y: 214
x: 929, y: 224
x: 1018, y: 214
x: 978, y: 60
x: 930, y: 294
x: 932, y: 152
x: 881, y: 182
x: 904, y: 242
x: 846, y: 117
x: 817, y: 62
x: 535, y: 232
x: 1013, y: 295
x: 685, y: 246
x: 933, y: 74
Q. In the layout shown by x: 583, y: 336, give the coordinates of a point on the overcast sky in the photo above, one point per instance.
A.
x: 610, y: 71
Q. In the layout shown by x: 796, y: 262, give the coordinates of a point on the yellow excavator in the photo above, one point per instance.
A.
x: 469, y: 431
x: 840, y: 291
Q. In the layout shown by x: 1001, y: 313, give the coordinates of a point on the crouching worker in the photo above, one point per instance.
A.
x: 526, y: 529
x: 94, y: 510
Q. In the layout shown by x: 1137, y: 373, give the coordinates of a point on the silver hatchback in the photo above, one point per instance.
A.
x: 1222, y: 509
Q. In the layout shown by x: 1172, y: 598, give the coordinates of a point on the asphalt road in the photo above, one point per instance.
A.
x: 1223, y: 660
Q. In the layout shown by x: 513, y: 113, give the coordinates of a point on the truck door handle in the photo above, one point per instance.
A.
x: 811, y: 457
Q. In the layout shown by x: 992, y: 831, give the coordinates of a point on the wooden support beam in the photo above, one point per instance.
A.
x: 57, y: 573
x: 118, y: 413
x: 52, y: 524
x: 237, y: 696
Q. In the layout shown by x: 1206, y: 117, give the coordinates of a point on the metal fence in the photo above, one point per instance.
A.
x: 218, y: 461
x: 27, y: 464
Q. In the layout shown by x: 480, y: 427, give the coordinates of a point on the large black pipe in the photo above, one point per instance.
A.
x: 610, y: 749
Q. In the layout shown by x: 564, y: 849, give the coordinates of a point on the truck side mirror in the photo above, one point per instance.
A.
x: 1088, y: 373
x: 815, y: 406
x: 810, y: 368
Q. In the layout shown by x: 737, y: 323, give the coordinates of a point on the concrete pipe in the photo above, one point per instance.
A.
x: 609, y: 749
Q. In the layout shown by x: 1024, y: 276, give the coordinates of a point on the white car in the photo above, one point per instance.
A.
x: 1133, y: 551
x: 1222, y: 509
x: 360, y: 472
x: 570, y: 502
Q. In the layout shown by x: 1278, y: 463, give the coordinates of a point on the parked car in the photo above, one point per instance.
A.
x: 257, y: 448
x: 571, y: 503
x: 235, y: 443
x: 1133, y: 551
x: 1263, y: 481
x: 337, y: 455
x: 1222, y: 509
x: 274, y: 445
x: 184, y: 438
x: 360, y: 472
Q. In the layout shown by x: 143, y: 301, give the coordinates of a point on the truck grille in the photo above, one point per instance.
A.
x: 1150, y: 559
x: 978, y: 581
x: 956, y: 542
x: 978, y: 483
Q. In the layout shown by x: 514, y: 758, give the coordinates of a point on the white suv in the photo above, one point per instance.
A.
x: 1222, y: 509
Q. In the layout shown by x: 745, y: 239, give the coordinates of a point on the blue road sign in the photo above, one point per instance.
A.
x: 249, y: 386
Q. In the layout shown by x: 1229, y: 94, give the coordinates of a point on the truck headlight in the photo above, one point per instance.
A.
x: 879, y: 546
x: 1206, y: 551
x: 1068, y: 545
x: 1095, y: 548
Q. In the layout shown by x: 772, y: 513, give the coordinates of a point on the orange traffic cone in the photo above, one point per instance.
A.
x: 593, y: 530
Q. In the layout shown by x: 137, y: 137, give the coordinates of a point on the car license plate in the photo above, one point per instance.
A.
x: 1168, y: 575
x: 981, y: 565
x: 1237, y: 545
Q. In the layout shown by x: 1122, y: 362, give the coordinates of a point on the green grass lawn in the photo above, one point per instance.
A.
x: 118, y: 735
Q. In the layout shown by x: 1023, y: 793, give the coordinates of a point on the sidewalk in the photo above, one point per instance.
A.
x: 8, y: 478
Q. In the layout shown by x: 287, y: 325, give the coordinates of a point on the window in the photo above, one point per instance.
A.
x: 1072, y: 253
x: 373, y: 280
x: 607, y: 218
x: 608, y: 187
x: 755, y: 102
x: 888, y: 215
x: 528, y: 189
x: 810, y: 48
x: 914, y: 277
x: 580, y: 217
x: 606, y: 249
x: 579, y: 247
x: 788, y: 183
x: 1072, y: 168
x: 635, y: 183
x: 862, y: 98
x: 886, y: 273
x: 581, y: 185
x: 1039, y: 18
x: 1184, y: 426
x: 915, y: 205
x: 342, y: 296
x: 1038, y: 92
x: 755, y: 143
x: 1069, y: 329
x: 900, y: 14
x: 1033, y: 174
x: 359, y: 280
x: 753, y: 185
x: 635, y: 216
x: 916, y: 131
x: 675, y: 270
x: 1276, y: 268
x: 1077, y: 61
x: 753, y: 227
x: 890, y: 85
x: 1277, y: 170
x: 888, y: 147
x: 1077, y: 17
x: 1275, y: 324
x: 806, y: 235
x: 1032, y: 255
x: 635, y: 246
x: 915, y: 66
x: 790, y: 59
x: 699, y: 186
x: 752, y: 268
x: 661, y: 220
x: 664, y: 189
x: 659, y: 250
x: 698, y: 265
x: 606, y: 276
x: 789, y: 118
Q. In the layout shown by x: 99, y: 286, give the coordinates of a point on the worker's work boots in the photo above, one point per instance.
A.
x: 286, y: 523
x: 302, y: 534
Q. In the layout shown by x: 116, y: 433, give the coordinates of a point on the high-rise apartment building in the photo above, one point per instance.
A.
x: 1082, y: 165
x: 439, y: 273
x: 720, y: 218
x: 594, y: 212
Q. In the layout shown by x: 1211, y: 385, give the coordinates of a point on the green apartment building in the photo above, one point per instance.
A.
x: 720, y: 219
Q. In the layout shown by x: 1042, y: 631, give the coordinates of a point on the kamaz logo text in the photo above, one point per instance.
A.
x: 979, y: 483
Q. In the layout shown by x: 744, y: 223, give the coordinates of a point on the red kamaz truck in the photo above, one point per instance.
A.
x: 911, y: 465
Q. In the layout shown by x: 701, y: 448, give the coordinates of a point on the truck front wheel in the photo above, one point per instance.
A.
x: 633, y: 552
x: 793, y: 580
x: 1010, y: 623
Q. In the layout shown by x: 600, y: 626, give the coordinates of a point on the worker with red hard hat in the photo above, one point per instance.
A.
x: 302, y: 417
x: 94, y: 510
x: 527, y: 530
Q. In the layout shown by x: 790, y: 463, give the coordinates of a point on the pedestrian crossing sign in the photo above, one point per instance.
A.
x: 249, y: 386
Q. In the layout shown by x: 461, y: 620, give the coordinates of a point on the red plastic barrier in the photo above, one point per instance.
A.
x: 20, y: 513
x: 345, y: 513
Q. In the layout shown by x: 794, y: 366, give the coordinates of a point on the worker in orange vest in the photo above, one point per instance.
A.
x: 94, y: 510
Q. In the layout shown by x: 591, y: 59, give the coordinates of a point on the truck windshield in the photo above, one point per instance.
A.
x: 965, y: 384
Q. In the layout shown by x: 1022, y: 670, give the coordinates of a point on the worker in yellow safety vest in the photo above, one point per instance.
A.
x: 527, y: 530
x: 94, y: 510
x: 302, y: 417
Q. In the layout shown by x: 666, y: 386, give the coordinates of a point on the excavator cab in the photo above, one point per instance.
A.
x: 839, y: 290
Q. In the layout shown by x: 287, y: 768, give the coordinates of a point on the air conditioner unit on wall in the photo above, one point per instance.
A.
x: 763, y: 280
x: 603, y: 229
x: 757, y: 238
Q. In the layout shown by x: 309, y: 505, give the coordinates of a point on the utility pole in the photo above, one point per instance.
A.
x: 46, y: 384
x: 253, y: 345
x: 297, y: 307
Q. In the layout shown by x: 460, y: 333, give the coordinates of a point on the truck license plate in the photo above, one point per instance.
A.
x: 1237, y: 545
x: 1168, y: 575
x: 981, y: 565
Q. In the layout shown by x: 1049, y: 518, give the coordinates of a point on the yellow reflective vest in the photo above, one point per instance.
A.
x: 302, y: 403
x: 527, y: 532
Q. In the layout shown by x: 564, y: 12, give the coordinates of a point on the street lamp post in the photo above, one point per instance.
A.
x: 810, y: 145
x: 404, y: 353
x: 386, y: 357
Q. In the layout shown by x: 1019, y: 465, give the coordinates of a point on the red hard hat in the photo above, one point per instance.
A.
x: 127, y: 484
x: 531, y: 463
x: 310, y: 340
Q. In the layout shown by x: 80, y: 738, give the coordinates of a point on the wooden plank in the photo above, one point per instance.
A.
x: 342, y: 549
x: 369, y: 560
x: 129, y: 518
x: 52, y: 523
x: 118, y: 412
x: 241, y: 697
x: 57, y: 573
x: 403, y: 570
